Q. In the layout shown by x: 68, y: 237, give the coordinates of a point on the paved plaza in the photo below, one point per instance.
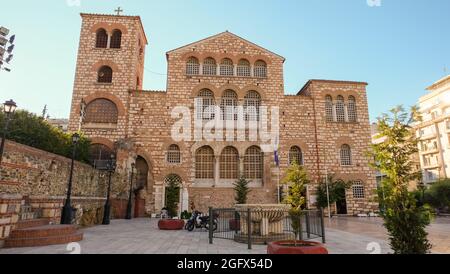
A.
x: 345, y: 235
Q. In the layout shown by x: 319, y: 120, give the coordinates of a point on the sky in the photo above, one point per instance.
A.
x: 399, y: 47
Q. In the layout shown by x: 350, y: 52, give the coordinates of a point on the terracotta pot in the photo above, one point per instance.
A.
x: 168, y: 224
x: 235, y: 224
x: 303, y: 247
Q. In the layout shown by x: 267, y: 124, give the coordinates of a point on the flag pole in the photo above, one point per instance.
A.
x: 278, y: 185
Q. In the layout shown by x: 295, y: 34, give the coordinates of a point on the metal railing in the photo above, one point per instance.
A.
x: 255, y: 226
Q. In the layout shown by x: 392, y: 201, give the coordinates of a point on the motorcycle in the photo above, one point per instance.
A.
x: 198, y: 220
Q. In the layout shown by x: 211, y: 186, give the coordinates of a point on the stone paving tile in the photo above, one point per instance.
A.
x: 141, y: 236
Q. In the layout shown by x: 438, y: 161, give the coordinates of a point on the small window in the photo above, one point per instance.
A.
x: 116, y: 39
x: 340, y: 112
x: 173, y: 155
x: 260, y: 69
x: 226, y: 67
x: 329, y: 108
x: 105, y: 75
x: 295, y: 156
x: 351, y: 109
x: 192, y: 66
x: 243, y: 68
x: 101, y: 39
x: 209, y: 67
x: 358, y: 190
x: 346, y: 155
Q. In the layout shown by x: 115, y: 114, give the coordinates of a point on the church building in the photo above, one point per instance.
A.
x: 220, y: 79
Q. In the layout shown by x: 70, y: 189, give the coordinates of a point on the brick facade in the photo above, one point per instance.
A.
x: 145, y: 122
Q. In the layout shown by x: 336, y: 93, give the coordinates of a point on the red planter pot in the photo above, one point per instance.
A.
x: 303, y: 247
x: 168, y: 224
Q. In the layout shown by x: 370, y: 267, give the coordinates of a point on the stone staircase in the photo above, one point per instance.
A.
x: 34, y: 231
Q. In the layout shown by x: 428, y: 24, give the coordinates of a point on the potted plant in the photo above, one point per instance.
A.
x: 296, y: 178
x: 241, y: 191
x: 172, y: 198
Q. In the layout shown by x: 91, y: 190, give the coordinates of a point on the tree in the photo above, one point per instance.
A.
x: 296, y: 179
x: 31, y: 130
x: 241, y: 189
x: 404, y: 219
x: 336, y: 191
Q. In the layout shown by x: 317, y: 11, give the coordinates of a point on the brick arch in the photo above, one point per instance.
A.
x: 142, y: 153
x: 248, y: 88
x: 258, y: 57
x: 99, y: 64
x: 301, y: 144
x: 216, y: 147
x: 190, y: 54
x: 174, y: 170
x: 211, y: 87
x: 232, y: 87
x: 109, y: 27
x: 104, y: 95
x: 344, y: 140
x: 102, y: 141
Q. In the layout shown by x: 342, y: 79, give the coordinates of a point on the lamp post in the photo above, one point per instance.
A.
x: 111, y: 166
x: 66, y: 214
x: 129, y: 206
x: 9, y: 107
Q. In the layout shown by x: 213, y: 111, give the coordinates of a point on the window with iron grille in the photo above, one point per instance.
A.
x: 346, y: 155
x: 351, y: 109
x: 260, y: 69
x: 116, y: 39
x: 173, y: 154
x: 329, y: 108
x: 252, y: 103
x: 226, y: 67
x: 340, y: 112
x: 101, y: 111
x: 295, y: 155
x: 209, y: 67
x: 192, y: 66
x: 99, y: 155
x: 228, y: 105
x: 205, y: 98
x: 105, y: 74
x: 101, y: 39
x: 358, y: 190
x: 253, y: 163
x: 204, y: 163
x: 243, y: 68
x: 229, y: 163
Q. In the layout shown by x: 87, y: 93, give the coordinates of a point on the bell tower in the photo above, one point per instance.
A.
x: 110, y: 63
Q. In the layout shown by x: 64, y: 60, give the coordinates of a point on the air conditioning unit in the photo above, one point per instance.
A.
x: 4, y: 31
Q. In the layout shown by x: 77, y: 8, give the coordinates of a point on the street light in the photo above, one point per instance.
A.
x: 111, y: 166
x: 9, y: 107
x: 66, y: 214
x: 129, y: 206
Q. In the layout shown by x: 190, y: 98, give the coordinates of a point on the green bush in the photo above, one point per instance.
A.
x: 438, y: 195
x: 31, y: 130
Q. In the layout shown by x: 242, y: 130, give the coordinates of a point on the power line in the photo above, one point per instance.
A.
x: 154, y: 72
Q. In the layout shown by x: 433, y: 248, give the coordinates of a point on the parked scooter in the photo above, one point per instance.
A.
x: 198, y: 220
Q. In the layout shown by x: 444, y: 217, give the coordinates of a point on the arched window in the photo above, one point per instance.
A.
x: 295, y: 155
x: 100, y: 155
x: 116, y: 39
x: 192, y: 66
x: 101, y: 39
x: 209, y: 67
x: 205, y: 105
x: 329, y: 108
x: 101, y: 111
x: 226, y: 67
x: 252, y: 103
x: 243, y: 68
x: 340, y: 112
x: 358, y: 190
x: 260, y: 69
x: 173, y: 155
x: 229, y: 163
x: 351, y: 109
x: 105, y: 74
x: 228, y: 105
x: 346, y: 155
x: 204, y: 163
x: 253, y: 163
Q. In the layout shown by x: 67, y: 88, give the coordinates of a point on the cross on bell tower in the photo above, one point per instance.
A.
x: 118, y: 11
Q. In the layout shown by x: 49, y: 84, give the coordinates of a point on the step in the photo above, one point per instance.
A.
x: 31, y: 223
x: 43, y: 241
x: 43, y: 231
